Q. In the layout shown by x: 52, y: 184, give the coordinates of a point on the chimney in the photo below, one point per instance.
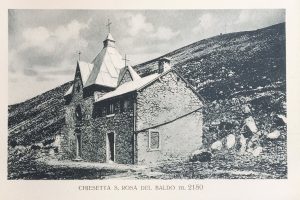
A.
x: 164, y: 65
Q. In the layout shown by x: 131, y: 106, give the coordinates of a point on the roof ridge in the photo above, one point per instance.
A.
x: 133, y: 73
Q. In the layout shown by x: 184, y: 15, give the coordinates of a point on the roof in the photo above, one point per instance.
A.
x: 69, y: 91
x: 107, y: 66
x: 141, y: 83
x: 131, y: 71
x: 85, y: 70
x: 128, y: 87
x: 109, y: 37
x: 104, y: 69
x: 107, y: 69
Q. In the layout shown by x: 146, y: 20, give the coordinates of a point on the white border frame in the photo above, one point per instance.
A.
x: 227, y: 189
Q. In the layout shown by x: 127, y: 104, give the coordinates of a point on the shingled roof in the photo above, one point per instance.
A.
x: 140, y: 83
x: 104, y: 69
x: 107, y: 65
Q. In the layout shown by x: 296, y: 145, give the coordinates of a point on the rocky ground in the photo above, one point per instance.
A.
x: 222, y: 166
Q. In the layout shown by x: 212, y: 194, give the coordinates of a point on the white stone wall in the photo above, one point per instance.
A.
x: 161, y: 106
x: 178, y: 140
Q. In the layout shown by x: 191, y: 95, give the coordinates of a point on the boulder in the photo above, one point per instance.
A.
x: 283, y: 118
x: 217, y: 145
x: 243, y: 99
x: 255, y: 138
x: 250, y: 123
x: 246, y: 109
x: 250, y: 150
x: 250, y: 145
x: 258, y: 133
x: 273, y: 135
x: 230, y: 141
x: 243, y: 143
x: 198, y: 152
x: 257, y: 151
x: 201, y: 155
x: 215, y: 123
x: 19, y: 150
x: 254, y: 141
x: 57, y: 141
x: 284, y: 105
x: 280, y: 120
x: 51, y: 152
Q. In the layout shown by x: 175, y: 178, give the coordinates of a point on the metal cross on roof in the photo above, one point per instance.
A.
x: 125, y: 59
x: 108, y: 25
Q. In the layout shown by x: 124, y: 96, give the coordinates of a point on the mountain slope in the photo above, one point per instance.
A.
x: 233, y: 63
x: 222, y: 67
x: 38, y: 118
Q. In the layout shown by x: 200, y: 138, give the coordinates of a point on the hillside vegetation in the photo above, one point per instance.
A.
x: 38, y: 118
x: 230, y: 64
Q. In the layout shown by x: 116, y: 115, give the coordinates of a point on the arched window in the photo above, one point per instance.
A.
x: 78, y: 113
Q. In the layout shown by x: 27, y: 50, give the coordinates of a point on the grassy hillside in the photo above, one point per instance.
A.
x: 230, y: 64
x: 38, y: 118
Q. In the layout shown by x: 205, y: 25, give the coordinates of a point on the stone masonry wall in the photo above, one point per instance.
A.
x: 68, y: 140
x: 121, y: 124
x: 94, y: 128
x: 165, y: 100
x: 126, y: 77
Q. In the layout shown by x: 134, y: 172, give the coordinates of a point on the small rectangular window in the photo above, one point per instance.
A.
x: 126, y: 105
x: 110, y: 108
x: 154, y: 140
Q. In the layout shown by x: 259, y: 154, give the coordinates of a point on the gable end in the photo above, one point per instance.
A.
x: 125, y: 77
x: 165, y: 99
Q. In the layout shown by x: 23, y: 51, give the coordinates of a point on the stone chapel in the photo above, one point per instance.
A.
x: 112, y: 114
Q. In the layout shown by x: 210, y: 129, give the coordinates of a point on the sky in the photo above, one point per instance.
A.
x: 44, y: 44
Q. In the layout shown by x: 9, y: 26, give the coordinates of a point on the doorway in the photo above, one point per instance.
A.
x: 110, y: 147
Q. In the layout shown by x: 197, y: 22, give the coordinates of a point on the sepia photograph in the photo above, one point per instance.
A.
x: 147, y: 94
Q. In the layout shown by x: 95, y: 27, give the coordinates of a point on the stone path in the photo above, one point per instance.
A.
x: 94, y: 165
x: 126, y: 171
x: 129, y: 172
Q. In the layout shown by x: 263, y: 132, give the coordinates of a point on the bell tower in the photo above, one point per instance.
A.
x: 109, y: 40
